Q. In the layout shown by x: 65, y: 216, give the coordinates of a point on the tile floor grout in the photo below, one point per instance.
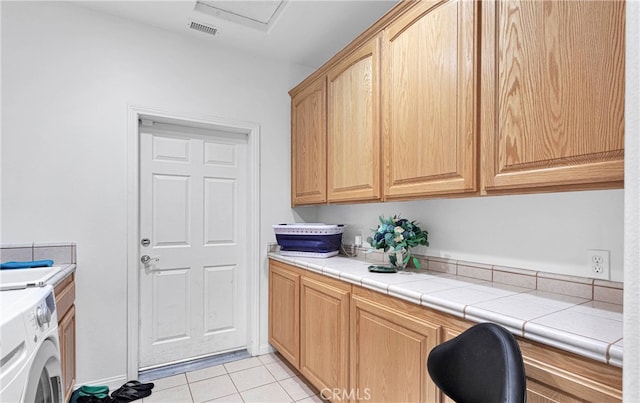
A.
x: 266, y: 378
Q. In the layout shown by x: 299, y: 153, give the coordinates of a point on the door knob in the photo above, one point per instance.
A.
x: 146, y: 260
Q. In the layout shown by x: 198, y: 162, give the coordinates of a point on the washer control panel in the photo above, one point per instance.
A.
x: 43, y: 312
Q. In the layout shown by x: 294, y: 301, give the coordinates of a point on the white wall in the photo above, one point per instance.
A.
x: 548, y: 232
x: 631, y: 387
x: 68, y: 75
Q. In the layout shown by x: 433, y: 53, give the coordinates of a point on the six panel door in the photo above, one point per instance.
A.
x: 193, y: 195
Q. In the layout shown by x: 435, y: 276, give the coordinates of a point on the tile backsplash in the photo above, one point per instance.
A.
x: 59, y: 252
x: 583, y: 287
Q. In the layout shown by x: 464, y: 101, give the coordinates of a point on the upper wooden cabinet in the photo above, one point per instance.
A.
x: 309, y: 145
x: 552, y: 94
x: 353, y: 129
x: 457, y: 97
x: 428, y: 103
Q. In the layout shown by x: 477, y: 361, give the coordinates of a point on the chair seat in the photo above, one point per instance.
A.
x: 483, y: 364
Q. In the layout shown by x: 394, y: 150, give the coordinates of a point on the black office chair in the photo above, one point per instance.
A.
x: 483, y: 364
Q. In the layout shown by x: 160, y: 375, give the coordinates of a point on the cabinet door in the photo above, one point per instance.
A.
x: 539, y: 393
x: 65, y: 295
x: 67, y: 335
x: 284, y: 312
x: 559, y: 376
x: 353, y: 130
x: 324, y: 334
x: 308, y: 145
x: 429, y: 131
x: 389, y: 354
x: 552, y: 94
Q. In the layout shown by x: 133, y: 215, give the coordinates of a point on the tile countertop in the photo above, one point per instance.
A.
x: 65, y: 271
x: 582, y: 326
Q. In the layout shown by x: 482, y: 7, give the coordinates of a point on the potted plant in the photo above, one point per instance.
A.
x: 398, y: 235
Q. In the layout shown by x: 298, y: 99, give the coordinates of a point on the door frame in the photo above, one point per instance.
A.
x: 252, y: 130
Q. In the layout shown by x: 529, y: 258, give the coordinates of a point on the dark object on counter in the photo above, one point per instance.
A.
x: 313, y: 238
x: 26, y: 265
x: 483, y: 364
x: 382, y: 269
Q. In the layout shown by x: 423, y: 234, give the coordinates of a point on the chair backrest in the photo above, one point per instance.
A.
x: 483, y: 364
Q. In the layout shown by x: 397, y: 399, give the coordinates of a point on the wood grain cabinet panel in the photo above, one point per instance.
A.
x: 309, y: 145
x: 353, y: 130
x: 67, y: 334
x: 65, y: 295
x: 552, y: 94
x: 324, y: 334
x: 389, y: 352
x: 558, y: 376
x: 309, y: 324
x: 428, y: 100
x: 284, y: 312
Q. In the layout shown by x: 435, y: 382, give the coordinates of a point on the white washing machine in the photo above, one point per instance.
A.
x: 30, y: 369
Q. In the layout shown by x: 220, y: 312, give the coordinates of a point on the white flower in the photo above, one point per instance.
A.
x: 398, y: 238
x: 398, y: 230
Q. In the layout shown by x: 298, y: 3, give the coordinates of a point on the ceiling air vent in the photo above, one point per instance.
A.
x: 207, y: 29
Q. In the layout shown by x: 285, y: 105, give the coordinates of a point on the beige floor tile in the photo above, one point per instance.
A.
x: 205, y: 373
x: 172, y: 395
x: 266, y: 378
x: 266, y: 394
x: 269, y: 358
x: 280, y: 370
x: 169, y: 382
x: 240, y: 365
x: 235, y: 398
x: 212, y: 388
x: 297, y: 388
x: 252, y: 378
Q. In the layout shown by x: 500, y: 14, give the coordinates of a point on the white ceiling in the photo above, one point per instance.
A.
x: 306, y: 32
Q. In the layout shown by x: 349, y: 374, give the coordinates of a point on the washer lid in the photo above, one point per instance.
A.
x: 16, y: 279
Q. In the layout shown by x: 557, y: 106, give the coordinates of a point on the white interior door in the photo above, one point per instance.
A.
x: 193, y: 293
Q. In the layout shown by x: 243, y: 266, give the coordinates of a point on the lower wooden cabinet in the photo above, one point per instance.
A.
x: 389, y: 352
x: 284, y: 311
x: 558, y: 376
x: 309, y: 325
x: 65, y: 295
x: 356, y: 344
x: 324, y: 334
x: 67, y: 331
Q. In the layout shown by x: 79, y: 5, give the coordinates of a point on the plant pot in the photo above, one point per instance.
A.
x: 399, y: 259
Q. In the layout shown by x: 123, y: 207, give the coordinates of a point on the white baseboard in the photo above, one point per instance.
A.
x: 265, y: 349
x: 113, y: 383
